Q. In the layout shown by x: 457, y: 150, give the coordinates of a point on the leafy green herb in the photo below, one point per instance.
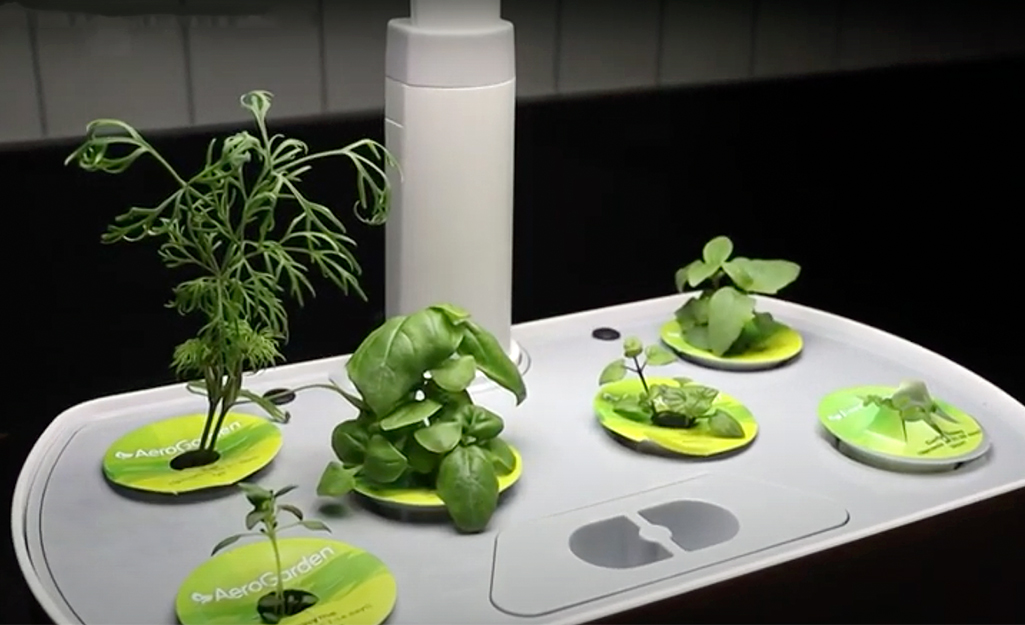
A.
x: 418, y: 426
x: 683, y: 405
x: 722, y: 319
x: 246, y: 233
x: 912, y: 402
x: 279, y: 603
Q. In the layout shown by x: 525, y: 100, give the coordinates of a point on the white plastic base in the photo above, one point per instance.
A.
x: 79, y: 543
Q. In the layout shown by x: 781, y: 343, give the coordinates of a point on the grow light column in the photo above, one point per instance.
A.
x: 449, y: 116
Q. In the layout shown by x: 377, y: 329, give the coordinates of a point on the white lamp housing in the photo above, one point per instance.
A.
x: 450, y: 102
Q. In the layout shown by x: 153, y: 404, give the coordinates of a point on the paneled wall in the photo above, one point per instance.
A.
x: 59, y: 70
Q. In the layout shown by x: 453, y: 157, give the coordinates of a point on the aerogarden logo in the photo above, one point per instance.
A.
x: 267, y: 581
x: 175, y: 449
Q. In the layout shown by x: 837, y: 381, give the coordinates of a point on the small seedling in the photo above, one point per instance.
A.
x: 279, y: 603
x: 418, y: 427
x: 683, y: 405
x: 722, y: 319
x: 246, y: 233
x: 912, y: 402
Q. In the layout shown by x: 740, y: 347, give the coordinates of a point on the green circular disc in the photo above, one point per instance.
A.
x: 425, y: 499
x: 780, y: 348
x: 141, y: 459
x: 878, y: 435
x: 352, y: 587
x: 695, y: 441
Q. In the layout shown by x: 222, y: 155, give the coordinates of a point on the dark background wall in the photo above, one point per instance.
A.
x: 899, y: 192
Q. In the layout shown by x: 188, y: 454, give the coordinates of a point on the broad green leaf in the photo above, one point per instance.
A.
x: 447, y: 398
x: 631, y: 407
x: 454, y: 313
x: 315, y: 525
x: 658, y: 355
x: 682, y: 275
x: 349, y: 441
x: 698, y: 337
x: 756, y: 331
x: 632, y: 347
x: 421, y: 460
x: 502, y: 454
x: 410, y: 413
x: 468, y: 484
x: 613, y: 372
x: 455, y: 374
x: 384, y: 463
x: 336, y: 480
x: 276, y: 413
x: 254, y: 517
x: 491, y: 359
x: 294, y: 511
x: 728, y: 311
x: 699, y: 272
x: 227, y: 541
x: 439, y: 438
x: 392, y: 360
x: 717, y: 251
x: 481, y: 423
x: 693, y: 313
x: 722, y: 424
x: 761, y: 276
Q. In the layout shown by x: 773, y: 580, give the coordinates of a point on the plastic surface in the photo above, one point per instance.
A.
x: 571, y: 558
x: 449, y: 238
x: 68, y: 523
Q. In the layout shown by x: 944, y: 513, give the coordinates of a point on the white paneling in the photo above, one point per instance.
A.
x: 536, y: 25
x: 707, y: 41
x: 354, y: 42
x: 795, y: 37
x: 19, y: 101
x: 129, y: 68
x: 608, y: 46
x: 278, y: 51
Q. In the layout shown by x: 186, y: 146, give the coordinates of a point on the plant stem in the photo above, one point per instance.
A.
x: 280, y: 586
x: 640, y: 374
x: 210, y: 412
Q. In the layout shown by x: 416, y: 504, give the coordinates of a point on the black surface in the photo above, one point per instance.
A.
x: 898, y: 192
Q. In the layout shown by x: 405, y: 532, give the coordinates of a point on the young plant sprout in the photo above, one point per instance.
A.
x: 279, y: 603
x: 722, y: 319
x: 683, y: 405
x: 243, y: 228
x: 418, y: 427
x: 912, y: 402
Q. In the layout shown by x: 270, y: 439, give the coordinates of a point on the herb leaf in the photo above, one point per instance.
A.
x: 613, y: 372
x: 384, y: 463
x: 455, y: 374
x: 723, y: 424
x: 410, y: 413
x: 349, y: 441
x: 391, y: 361
x: 728, y: 311
x: 491, y: 359
x: 468, y: 485
x: 762, y: 276
x: 440, y: 438
x: 336, y: 480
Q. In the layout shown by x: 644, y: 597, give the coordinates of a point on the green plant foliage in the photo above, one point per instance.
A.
x: 912, y: 402
x: 722, y: 319
x: 418, y: 426
x: 684, y: 405
x: 264, y: 514
x: 247, y: 235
